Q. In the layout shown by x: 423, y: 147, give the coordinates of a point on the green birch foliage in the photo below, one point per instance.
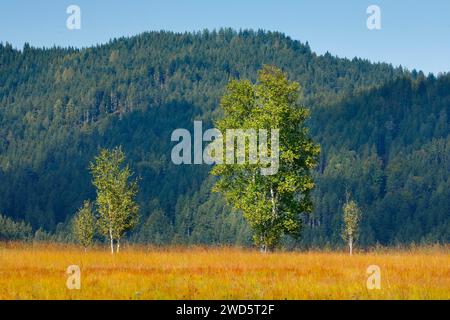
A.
x: 84, y: 225
x: 14, y: 230
x: 116, y: 193
x: 271, y: 204
x: 351, y: 217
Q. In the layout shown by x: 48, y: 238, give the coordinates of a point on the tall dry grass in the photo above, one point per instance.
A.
x: 38, y: 272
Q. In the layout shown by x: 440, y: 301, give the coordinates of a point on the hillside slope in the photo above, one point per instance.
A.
x: 59, y: 106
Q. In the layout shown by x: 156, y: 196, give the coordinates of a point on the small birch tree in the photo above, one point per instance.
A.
x: 116, y: 205
x: 84, y: 225
x: 351, y: 216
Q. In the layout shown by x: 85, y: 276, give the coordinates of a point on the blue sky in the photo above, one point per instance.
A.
x: 415, y: 34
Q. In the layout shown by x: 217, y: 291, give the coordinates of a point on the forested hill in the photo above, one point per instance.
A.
x: 383, y: 131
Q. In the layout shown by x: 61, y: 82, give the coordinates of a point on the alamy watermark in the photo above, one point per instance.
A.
x: 374, y: 279
x: 73, y: 21
x: 374, y: 19
x: 74, y: 279
x: 240, y: 146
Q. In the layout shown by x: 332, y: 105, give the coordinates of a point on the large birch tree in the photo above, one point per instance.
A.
x: 271, y: 204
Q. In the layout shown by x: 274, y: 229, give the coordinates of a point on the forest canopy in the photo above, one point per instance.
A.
x: 383, y: 131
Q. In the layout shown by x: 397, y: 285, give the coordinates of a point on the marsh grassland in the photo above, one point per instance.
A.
x: 39, y: 272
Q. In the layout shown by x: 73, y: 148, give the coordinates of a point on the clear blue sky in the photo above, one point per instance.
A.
x: 415, y: 34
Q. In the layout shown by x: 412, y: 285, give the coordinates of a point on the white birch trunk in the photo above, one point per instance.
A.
x: 111, y: 241
x: 350, y: 244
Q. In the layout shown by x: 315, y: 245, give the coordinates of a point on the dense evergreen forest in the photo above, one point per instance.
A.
x: 383, y: 131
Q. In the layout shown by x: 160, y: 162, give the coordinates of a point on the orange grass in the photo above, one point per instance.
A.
x: 38, y: 272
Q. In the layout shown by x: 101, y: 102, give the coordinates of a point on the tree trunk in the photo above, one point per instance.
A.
x: 118, y: 245
x: 269, y: 246
x: 111, y: 241
x: 350, y: 244
x: 272, y: 198
x: 110, y: 229
x: 263, y: 248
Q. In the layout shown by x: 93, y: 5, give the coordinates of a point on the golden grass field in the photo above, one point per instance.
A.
x: 38, y: 271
